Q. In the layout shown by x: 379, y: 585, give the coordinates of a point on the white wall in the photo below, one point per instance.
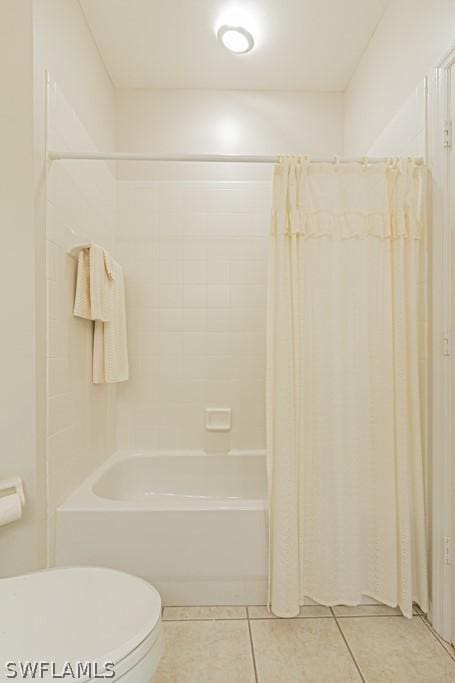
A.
x: 81, y: 205
x: 21, y: 543
x: 71, y: 441
x: 193, y: 241
x: 195, y: 261
x: 65, y: 47
x: 411, y: 38
x: 406, y: 133
x: 224, y: 122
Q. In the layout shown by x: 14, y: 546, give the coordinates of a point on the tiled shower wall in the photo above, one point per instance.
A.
x: 81, y: 206
x: 194, y: 255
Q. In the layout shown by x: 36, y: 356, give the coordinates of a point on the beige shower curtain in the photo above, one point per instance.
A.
x: 346, y: 395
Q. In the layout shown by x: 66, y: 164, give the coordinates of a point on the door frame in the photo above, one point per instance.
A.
x: 441, y: 162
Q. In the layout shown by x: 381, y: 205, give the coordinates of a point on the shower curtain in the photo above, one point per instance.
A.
x: 346, y: 395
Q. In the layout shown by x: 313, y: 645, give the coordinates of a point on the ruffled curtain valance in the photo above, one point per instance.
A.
x: 321, y: 199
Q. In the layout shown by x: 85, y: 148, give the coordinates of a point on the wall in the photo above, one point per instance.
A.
x: 75, y: 430
x: 195, y: 261
x: 224, y: 122
x: 21, y: 543
x: 193, y: 241
x: 64, y: 46
x: 411, y: 38
x: 81, y: 206
x: 406, y: 133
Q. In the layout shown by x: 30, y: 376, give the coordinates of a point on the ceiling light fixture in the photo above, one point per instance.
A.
x: 236, y: 39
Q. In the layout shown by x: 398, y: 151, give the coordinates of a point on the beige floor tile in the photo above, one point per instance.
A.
x: 365, y: 611
x: 295, y: 650
x: 207, y: 612
x: 206, y: 652
x: 262, y: 612
x: 397, y: 649
x: 447, y: 646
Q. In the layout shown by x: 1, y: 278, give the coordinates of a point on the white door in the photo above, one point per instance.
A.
x: 450, y: 556
x: 441, y: 161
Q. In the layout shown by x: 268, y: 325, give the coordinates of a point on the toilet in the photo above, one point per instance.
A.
x: 95, y: 622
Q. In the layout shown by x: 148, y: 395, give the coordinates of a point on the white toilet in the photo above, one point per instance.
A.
x: 80, y: 616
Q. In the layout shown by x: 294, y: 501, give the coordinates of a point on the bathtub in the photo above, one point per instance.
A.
x: 191, y: 523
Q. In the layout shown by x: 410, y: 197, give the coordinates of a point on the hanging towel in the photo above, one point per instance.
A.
x: 94, y: 286
x: 82, y: 307
x: 100, y: 296
x: 110, y: 352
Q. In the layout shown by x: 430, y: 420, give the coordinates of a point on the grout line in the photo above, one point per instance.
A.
x: 348, y: 646
x: 190, y: 607
x: 328, y: 616
x: 252, y: 650
x: 207, y: 619
x: 198, y: 606
x: 441, y: 642
x: 368, y: 616
x: 320, y: 616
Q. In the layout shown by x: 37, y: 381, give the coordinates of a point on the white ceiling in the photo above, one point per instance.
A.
x: 301, y: 44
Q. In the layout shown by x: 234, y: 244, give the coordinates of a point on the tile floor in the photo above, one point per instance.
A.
x: 248, y: 645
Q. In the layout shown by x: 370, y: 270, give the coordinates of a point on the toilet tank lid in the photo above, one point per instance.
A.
x: 74, y: 614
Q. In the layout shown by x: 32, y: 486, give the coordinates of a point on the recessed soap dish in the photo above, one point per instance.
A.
x: 218, y: 419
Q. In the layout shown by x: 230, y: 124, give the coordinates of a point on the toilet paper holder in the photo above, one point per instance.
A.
x: 16, y: 484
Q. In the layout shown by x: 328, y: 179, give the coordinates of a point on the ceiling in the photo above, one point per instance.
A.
x: 300, y: 44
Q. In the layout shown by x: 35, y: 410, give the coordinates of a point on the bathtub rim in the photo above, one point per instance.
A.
x: 84, y: 498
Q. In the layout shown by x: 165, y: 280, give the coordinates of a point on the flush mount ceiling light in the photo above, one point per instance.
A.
x: 236, y: 39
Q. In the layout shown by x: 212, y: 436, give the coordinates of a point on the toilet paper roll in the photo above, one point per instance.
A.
x: 10, y: 509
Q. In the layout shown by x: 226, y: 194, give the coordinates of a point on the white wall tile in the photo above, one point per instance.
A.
x: 81, y: 204
x: 172, y: 295
x: 194, y: 320
x: 218, y: 319
x: 218, y: 296
x: 195, y: 296
x: 197, y: 318
x: 195, y: 272
x: 218, y: 272
x: 170, y: 272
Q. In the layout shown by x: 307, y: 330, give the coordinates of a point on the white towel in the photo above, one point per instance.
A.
x: 82, y: 306
x: 94, y: 286
x: 100, y: 296
x: 110, y: 352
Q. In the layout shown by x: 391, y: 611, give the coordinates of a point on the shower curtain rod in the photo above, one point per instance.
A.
x: 54, y: 155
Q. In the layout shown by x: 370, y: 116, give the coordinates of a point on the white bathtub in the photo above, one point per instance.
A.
x: 191, y: 523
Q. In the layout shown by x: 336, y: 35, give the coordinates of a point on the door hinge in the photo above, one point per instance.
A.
x: 447, y: 550
x: 447, y: 134
x: 446, y: 344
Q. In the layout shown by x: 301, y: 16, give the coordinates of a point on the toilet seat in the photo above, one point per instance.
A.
x: 80, y: 614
